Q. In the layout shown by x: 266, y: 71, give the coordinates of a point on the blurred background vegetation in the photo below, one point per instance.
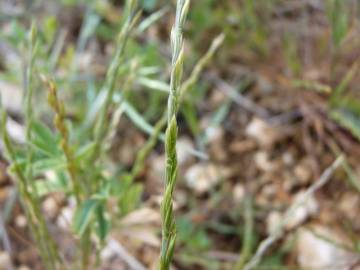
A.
x: 276, y: 103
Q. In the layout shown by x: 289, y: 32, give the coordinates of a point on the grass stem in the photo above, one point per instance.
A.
x: 168, y: 220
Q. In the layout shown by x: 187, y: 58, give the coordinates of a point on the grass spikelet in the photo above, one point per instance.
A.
x: 60, y: 123
x: 185, y: 87
x: 167, y: 215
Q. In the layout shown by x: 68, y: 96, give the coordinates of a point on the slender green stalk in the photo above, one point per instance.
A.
x: 248, y: 233
x: 200, y: 65
x: 168, y: 221
x: 146, y: 149
x: 102, y: 126
x: 28, y: 89
x: 128, y: 83
x: 27, y: 187
x: 101, y: 129
x: 47, y: 247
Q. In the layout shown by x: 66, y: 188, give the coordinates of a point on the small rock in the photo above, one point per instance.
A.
x: 65, y: 218
x: 204, y: 176
x: 262, y: 161
x: 288, y: 158
x: 183, y: 148
x: 15, y: 130
x: 302, y: 172
x: 156, y: 174
x: 84, y: 60
x: 238, y: 193
x: 21, y: 221
x: 180, y: 199
x: 214, y: 134
x: 316, y: 253
x: 215, y: 140
x: 262, y: 132
x: 5, y: 260
x: 269, y: 190
x: 289, y: 182
x: 273, y: 221
x: 242, y: 146
x: 24, y: 267
x: 217, y: 98
x: 11, y: 96
x: 158, y: 165
x: 264, y: 85
x: 50, y: 207
x: 141, y: 216
x: 348, y: 202
x: 107, y: 253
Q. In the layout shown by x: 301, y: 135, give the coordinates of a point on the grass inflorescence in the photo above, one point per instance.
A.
x: 167, y: 215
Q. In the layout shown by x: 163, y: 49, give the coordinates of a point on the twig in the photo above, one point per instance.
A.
x: 222, y: 256
x: 271, y: 239
x: 239, y: 99
x: 120, y: 251
x: 250, y: 106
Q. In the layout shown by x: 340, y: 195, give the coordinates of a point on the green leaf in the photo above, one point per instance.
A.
x: 315, y: 86
x: 148, y: 5
x: 85, y: 151
x: 84, y: 215
x: 146, y: 23
x: 16, y: 33
x: 194, y: 238
x: 347, y: 120
x: 154, y: 84
x: 88, y: 28
x: 103, y: 223
x: 357, y: 246
x: 138, y: 120
x: 338, y: 16
x: 349, y: 102
x: 44, y: 140
x: 55, y: 185
x: 344, y: 84
x: 49, y: 28
x: 43, y: 165
x: 189, y: 111
x: 130, y: 198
